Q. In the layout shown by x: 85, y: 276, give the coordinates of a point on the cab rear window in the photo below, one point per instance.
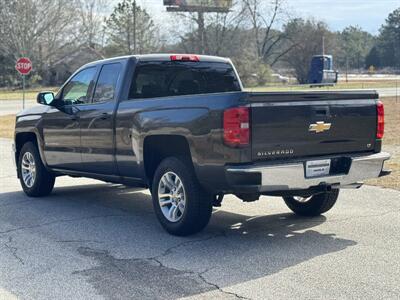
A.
x: 164, y: 79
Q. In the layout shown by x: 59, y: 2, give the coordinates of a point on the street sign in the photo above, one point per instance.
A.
x: 23, y: 65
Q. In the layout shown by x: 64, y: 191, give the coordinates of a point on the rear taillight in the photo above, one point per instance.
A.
x: 188, y: 57
x: 237, y: 127
x: 380, y: 124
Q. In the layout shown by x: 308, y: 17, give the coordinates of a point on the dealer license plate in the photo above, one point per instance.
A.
x: 317, y: 168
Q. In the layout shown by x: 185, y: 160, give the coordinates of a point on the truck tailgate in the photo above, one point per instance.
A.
x: 311, y: 124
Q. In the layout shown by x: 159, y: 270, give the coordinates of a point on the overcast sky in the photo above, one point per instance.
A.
x: 369, y: 14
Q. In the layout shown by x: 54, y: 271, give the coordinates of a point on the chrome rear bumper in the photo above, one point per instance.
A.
x: 281, y: 177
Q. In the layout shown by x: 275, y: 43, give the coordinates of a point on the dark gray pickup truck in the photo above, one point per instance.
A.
x: 182, y: 126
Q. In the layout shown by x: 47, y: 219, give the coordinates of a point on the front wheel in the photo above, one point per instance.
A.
x: 313, y: 205
x: 180, y: 203
x: 35, y: 180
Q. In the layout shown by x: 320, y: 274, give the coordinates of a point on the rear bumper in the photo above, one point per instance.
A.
x: 291, y: 176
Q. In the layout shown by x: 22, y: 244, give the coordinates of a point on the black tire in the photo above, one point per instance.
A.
x: 315, y: 206
x: 198, y: 203
x: 43, y: 182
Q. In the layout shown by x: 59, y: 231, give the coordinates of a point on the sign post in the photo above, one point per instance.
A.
x: 201, y: 7
x: 24, y: 67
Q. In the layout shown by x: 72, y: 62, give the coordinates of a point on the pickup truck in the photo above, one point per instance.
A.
x: 184, y: 127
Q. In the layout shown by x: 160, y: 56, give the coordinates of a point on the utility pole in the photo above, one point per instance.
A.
x: 201, y: 33
x: 323, y: 45
x: 134, y: 26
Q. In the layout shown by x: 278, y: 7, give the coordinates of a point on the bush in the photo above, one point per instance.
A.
x: 253, y: 72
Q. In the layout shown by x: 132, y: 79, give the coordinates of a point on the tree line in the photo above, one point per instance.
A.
x: 259, y: 36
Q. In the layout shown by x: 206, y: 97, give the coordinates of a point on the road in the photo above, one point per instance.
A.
x: 93, y: 240
x: 8, y: 107
x: 368, y: 77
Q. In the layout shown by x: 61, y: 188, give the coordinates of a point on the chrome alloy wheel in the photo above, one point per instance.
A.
x: 171, y: 196
x: 302, y: 199
x: 28, y: 169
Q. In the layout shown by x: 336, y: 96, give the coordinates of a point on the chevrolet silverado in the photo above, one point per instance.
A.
x: 184, y: 127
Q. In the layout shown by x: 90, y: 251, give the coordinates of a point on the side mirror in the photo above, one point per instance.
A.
x: 45, y: 98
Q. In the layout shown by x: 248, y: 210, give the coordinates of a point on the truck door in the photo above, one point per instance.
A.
x: 61, y: 130
x: 97, y: 123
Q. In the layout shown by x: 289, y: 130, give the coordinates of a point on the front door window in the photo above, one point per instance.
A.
x: 79, y: 89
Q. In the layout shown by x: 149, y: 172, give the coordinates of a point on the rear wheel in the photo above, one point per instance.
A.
x: 35, y: 180
x: 181, y: 205
x: 313, y: 205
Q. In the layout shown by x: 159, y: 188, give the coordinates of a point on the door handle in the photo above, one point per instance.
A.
x: 104, y: 116
x: 322, y: 111
x: 74, y: 118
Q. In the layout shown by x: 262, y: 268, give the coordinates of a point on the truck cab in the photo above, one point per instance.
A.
x: 321, y: 71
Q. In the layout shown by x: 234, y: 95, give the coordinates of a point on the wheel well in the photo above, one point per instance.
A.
x: 158, y: 147
x: 21, y: 139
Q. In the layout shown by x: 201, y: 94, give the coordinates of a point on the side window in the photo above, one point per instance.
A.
x: 106, y: 84
x: 326, y: 64
x: 149, y: 81
x: 79, y: 88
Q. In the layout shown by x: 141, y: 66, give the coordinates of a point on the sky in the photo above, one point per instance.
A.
x: 368, y: 14
x: 338, y: 14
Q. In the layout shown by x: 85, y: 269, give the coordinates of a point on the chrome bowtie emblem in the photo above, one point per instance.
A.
x: 319, y: 127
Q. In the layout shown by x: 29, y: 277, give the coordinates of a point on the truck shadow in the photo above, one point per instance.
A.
x: 135, y: 258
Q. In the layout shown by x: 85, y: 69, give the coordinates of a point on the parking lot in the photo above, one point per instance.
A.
x: 96, y: 240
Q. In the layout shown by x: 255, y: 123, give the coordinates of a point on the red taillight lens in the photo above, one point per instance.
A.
x: 380, y: 124
x: 237, y: 126
x: 185, y: 57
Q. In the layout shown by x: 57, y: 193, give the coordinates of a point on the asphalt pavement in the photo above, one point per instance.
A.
x: 94, y: 240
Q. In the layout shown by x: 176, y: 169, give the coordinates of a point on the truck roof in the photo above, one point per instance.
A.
x: 159, y: 57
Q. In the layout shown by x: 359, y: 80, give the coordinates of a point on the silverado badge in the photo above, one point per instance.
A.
x: 275, y: 152
x: 319, y: 127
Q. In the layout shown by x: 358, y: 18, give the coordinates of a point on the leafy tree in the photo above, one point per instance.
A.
x: 373, y: 58
x: 252, y: 70
x: 7, y: 73
x: 131, y: 30
x: 389, y: 41
x: 356, y: 44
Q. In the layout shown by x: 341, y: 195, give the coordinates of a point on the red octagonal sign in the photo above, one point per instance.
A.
x: 23, y: 66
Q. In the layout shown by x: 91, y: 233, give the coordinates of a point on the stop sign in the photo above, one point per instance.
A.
x: 23, y: 66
